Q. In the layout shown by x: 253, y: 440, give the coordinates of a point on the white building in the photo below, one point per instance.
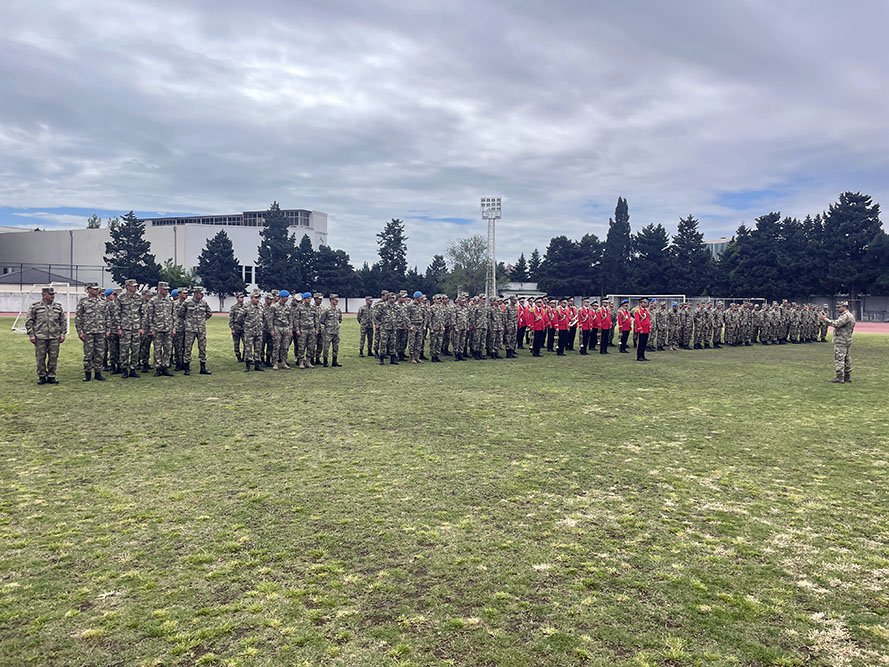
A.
x: 77, y: 253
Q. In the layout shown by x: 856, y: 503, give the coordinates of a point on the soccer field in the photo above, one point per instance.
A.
x: 718, y: 507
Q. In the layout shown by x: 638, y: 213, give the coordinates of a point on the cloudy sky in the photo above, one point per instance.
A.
x: 372, y: 110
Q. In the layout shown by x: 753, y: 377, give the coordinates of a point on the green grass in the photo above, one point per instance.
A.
x: 709, y: 508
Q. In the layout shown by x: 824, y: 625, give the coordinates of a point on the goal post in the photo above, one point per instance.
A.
x: 18, y: 325
x: 635, y: 298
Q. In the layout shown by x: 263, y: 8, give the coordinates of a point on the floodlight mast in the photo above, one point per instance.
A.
x: 491, y: 213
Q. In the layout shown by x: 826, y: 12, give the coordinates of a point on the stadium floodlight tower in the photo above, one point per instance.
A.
x: 491, y: 213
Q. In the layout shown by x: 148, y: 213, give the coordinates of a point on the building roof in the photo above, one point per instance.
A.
x: 32, y: 276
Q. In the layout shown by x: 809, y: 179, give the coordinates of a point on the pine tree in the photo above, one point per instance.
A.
x: 564, y: 269
x: 333, y: 272
x: 275, y: 266
x: 393, y: 251
x: 218, y: 267
x: 849, y: 227
x: 519, y: 272
x: 305, y: 264
x: 618, y: 246
x: 93, y: 222
x: 692, y: 262
x: 127, y: 254
x: 436, y: 274
x: 534, y: 266
x: 650, y: 263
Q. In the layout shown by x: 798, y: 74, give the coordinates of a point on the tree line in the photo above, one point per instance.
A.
x: 843, y: 250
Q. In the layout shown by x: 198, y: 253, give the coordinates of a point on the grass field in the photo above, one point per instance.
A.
x: 709, y: 508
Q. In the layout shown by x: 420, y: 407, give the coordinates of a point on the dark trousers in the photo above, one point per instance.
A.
x: 643, y: 343
x: 550, y: 339
x: 572, y: 336
x: 564, y: 340
x: 584, y: 340
x: 594, y: 338
x: 603, y: 344
x: 624, y: 336
x: 537, y: 343
x: 520, y: 337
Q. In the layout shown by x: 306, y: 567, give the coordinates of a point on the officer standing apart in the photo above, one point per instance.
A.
x: 129, y: 332
x: 843, y: 326
x: 47, y: 327
x: 194, y: 314
x: 331, y: 319
x: 90, y: 323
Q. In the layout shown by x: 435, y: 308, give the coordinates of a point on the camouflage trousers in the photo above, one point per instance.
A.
x: 178, y: 347
x: 842, y: 357
x: 509, y: 337
x: 112, y: 351
x: 317, y: 344
x: 458, y: 340
x: 400, y: 342
x: 436, y: 339
x: 367, y: 332
x: 237, y: 341
x: 386, y: 342
x: 281, y: 337
x: 479, y: 339
x: 822, y: 331
x: 190, y: 337
x: 93, y: 351
x: 495, y: 340
x: 331, y: 340
x: 130, y: 344
x: 163, y: 348
x: 717, y: 334
x: 47, y: 353
x: 267, y: 346
x: 700, y: 335
x: 145, y: 350
x: 447, y: 336
x: 414, y: 345
x: 253, y: 346
x: 307, y: 345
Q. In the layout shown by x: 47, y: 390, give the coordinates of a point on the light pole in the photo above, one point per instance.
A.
x: 491, y: 213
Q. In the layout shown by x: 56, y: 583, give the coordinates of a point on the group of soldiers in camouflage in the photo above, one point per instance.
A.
x: 262, y: 333
x: 118, y: 328
x: 396, y: 326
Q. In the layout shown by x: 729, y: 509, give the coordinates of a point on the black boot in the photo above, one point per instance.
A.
x: 165, y: 371
x: 335, y: 364
x: 247, y: 366
x: 41, y: 380
x: 98, y: 376
x: 239, y: 356
x: 157, y: 372
x: 145, y: 368
x: 87, y: 376
x: 186, y: 368
x: 204, y: 370
x: 134, y: 374
x: 382, y: 360
x: 52, y: 380
x: 847, y: 377
x: 125, y: 374
x: 360, y: 353
x: 393, y: 360
x: 324, y: 362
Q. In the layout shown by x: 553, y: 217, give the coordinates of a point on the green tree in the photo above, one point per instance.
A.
x: 468, y: 259
x: 436, y: 274
x: 93, y: 222
x: 650, y: 264
x: 692, y: 263
x: 849, y: 227
x: 592, y: 249
x: 275, y: 268
x: 565, y: 268
x: 305, y: 264
x: 878, y: 263
x: 393, y: 251
x: 333, y: 272
x: 519, y: 273
x: 534, y: 265
x: 218, y: 267
x: 176, y: 274
x: 369, y: 280
x: 618, y: 247
x: 127, y: 253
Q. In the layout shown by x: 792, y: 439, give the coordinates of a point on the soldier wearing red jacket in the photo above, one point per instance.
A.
x: 642, y: 326
x: 605, y: 325
x: 572, y: 324
x: 522, y: 326
x: 563, y: 326
x: 551, y: 325
x: 585, y: 322
x: 624, y: 324
x: 536, y: 317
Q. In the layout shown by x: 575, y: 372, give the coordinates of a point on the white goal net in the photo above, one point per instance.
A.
x: 63, y: 296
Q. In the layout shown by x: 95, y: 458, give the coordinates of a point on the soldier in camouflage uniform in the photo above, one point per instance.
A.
x: 461, y: 326
x: 822, y: 323
x: 375, y: 317
x: 129, y: 328
x: 495, y: 328
x: 717, y: 321
x: 365, y: 326
x: 237, y: 331
x: 111, y: 361
x: 47, y: 327
x: 250, y: 319
x: 438, y: 315
x: 673, y: 326
x: 402, y: 324
x: 146, y: 340
x: 305, y: 330
x: 90, y: 323
x: 843, y: 327
x: 416, y: 322
x: 268, y: 342
x: 282, y: 329
x: 179, y: 297
x: 448, y: 324
x: 193, y: 316
x: 317, y: 343
x: 331, y: 319
x: 386, y: 321
x: 159, y: 320
x: 511, y: 327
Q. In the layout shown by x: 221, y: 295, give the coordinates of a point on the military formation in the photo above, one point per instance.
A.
x: 119, y: 329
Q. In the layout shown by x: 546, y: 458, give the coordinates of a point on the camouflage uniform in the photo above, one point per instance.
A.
x: 495, y: 328
x: 438, y: 314
x: 366, y: 327
x: 179, y: 335
x: 250, y: 318
x: 461, y: 325
x: 129, y: 317
x: 315, y: 342
x: 282, y: 330
x: 305, y: 326
x: 234, y: 320
x: 375, y: 313
x: 193, y: 315
x: 386, y: 321
x: 843, y: 327
x: 146, y: 341
x: 268, y: 343
x: 674, y: 326
x: 510, y: 327
x: 449, y: 309
x: 91, y: 325
x: 331, y: 319
x: 159, y: 321
x: 402, y: 324
x: 112, y: 342
x: 47, y: 326
x: 416, y: 322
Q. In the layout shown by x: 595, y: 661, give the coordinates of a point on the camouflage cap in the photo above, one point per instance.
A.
x: 48, y: 290
x: 298, y: 296
x: 238, y: 294
x: 274, y: 293
x: 256, y: 292
x: 163, y: 285
x: 130, y: 281
x: 369, y: 298
x: 318, y: 295
x: 92, y: 286
x: 198, y: 288
x: 334, y: 296
x: 844, y: 304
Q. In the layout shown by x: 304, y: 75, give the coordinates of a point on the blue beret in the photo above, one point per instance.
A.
x: 623, y: 301
x: 284, y: 293
x: 675, y: 304
x: 307, y: 295
x: 418, y: 294
x: 175, y: 292
x: 108, y: 291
